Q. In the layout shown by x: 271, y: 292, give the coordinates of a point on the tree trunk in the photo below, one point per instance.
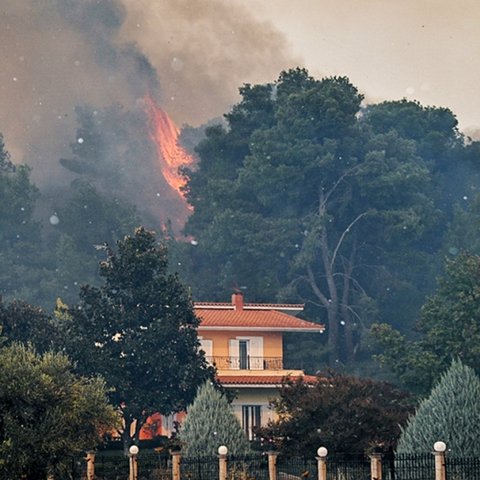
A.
x: 345, y: 307
x: 127, y: 438
x: 333, y: 347
x: 332, y: 302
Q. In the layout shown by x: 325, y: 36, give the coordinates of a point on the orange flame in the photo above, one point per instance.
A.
x: 171, y: 154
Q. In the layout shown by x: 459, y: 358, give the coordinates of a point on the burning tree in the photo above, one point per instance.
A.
x: 165, y: 135
x: 132, y: 156
x: 139, y: 332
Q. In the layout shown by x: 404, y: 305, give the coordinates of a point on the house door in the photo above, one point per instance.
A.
x: 251, y: 418
x: 244, y: 354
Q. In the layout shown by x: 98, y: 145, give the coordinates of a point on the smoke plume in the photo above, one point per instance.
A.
x: 59, y: 56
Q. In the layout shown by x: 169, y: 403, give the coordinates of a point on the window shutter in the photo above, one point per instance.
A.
x: 234, y: 353
x: 207, y: 347
x: 256, y: 353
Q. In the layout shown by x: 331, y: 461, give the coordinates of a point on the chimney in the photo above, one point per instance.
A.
x: 237, y: 301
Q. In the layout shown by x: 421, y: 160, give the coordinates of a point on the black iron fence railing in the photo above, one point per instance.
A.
x: 418, y: 466
x: 114, y: 465
x: 296, y: 467
x: 348, y: 467
x: 199, y: 468
x: 110, y: 465
x: 458, y: 468
x: 246, y: 363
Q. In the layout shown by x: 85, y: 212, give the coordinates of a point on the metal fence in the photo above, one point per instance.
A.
x: 348, y: 467
x: 114, y: 465
x: 408, y: 466
x: 296, y: 467
x: 201, y: 468
x: 462, y: 468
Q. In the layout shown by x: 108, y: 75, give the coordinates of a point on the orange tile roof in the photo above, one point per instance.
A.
x: 266, y: 380
x: 269, y: 320
x: 252, y: 306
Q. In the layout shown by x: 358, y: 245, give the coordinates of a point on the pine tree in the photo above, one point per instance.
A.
x: 210, y: 423
x: 451, y: 414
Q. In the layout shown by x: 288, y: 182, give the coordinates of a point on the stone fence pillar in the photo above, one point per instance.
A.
x: 322, y: 453
x: 376, y: 466
x: 440, y: 467
x: 176, y: 459
x: 90, y: 459
x: 222, y: 462
x: 272, y: 465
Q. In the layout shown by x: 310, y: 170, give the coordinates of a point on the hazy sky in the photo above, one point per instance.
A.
x: 427, y: 50
x: 193, y: 55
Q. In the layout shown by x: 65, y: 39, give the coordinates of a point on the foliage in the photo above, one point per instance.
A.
x: 328, y: 207
x: 113, y: 151
x: 24, y: 323
x: 87, y: 221
x: 449, y: 326
x: 90, y: 218
x: 342, y: 413
x: 210, y: 423
x: 451, y: 414
x: 47, y: 413
x: 40, y: 264
x: 462, y: 234
x: 19, y: 232
x: 138, y: 331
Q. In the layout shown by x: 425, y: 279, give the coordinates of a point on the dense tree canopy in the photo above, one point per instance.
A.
x: 47, y: 414
x: 86, y: 221
x: 40, y: 261
x: 449, y: 326
x: 306, y: 195
x: 138, y: 330
x: 19, y: 232
x: 24, y: 323
x: 342, y: 413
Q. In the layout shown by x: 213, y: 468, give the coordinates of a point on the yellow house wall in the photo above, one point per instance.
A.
x: 255, y: 396
x: 272, y: 341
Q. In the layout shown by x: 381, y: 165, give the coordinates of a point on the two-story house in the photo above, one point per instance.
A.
x: 245, y: 343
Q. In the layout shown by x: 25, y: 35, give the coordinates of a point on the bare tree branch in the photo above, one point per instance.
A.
x: 316, y: 289
x: 339, y: 243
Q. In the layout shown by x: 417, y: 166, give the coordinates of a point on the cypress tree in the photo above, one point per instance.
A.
x: 451, y: 413
x: 210, y: 423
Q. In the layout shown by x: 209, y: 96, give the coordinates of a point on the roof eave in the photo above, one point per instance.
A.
x: 251, y: 385
x: 239, y: 328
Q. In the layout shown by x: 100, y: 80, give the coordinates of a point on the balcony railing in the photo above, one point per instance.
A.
x: 246, y: 363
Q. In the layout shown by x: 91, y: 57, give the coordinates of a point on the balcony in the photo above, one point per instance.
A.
x: 246, y: 363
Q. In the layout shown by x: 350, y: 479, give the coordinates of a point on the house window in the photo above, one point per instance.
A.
x: 251, y: 417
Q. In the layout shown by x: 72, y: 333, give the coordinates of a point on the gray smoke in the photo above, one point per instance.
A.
x: 59, y: 54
